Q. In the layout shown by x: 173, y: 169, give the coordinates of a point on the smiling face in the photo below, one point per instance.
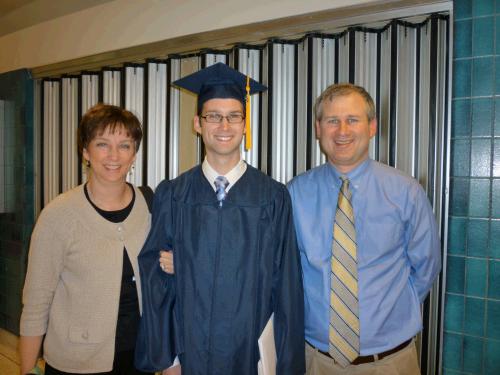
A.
x: 222, y: 140
x: 111, y: 155
x: 344, y: 131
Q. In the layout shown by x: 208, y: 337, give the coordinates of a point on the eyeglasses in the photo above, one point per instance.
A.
x: 216, y: 118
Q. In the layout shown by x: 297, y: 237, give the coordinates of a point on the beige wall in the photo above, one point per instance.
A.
x: 125, y: 23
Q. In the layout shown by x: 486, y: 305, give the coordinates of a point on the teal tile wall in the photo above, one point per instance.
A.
x: 472, y: 303
x: 17, y: 188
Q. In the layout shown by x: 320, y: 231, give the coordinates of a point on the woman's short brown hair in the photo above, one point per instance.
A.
x: 104, y: 116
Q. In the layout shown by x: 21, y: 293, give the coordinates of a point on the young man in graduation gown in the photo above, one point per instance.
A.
x: 235, y: 253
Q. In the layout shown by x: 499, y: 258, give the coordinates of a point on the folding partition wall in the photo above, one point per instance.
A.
x: 402, y: 63
x: 69, y: 119
x: 127, y: 87
x: 51, y: 136
x: 88, y: 96
x: 155, y: 137
x: 111, y: 88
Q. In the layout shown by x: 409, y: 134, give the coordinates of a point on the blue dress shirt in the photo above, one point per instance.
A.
x: 398, y: 251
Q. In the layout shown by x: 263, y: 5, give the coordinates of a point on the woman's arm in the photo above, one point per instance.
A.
x: 45, y: 264
x: 29, y: 349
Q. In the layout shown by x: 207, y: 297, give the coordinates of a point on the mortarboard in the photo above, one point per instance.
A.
x: 219, y: 81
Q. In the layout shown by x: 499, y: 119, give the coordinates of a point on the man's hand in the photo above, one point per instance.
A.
x: 167, y: 263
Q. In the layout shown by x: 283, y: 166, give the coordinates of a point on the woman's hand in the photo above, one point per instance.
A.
x: 174, y: 370
x: 29, y: 350
x: 167, y: 262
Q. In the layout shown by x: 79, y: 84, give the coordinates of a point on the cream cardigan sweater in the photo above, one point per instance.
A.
x: 72, y: 288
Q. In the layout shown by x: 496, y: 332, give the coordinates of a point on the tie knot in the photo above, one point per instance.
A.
x: 345, y: 187
x: 221, y: 183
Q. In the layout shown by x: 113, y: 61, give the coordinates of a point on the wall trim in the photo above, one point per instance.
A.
x: 287, y: 27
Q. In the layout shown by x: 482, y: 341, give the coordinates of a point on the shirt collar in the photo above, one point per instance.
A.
x: 232, y: 176
x: 356, y: 176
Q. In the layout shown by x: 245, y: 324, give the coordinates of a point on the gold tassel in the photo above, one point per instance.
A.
x: 248, y: 136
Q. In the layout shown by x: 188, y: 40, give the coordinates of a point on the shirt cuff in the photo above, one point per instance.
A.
x: 176, y: 362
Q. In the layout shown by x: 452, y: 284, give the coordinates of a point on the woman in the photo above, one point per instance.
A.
x: 82, y: 288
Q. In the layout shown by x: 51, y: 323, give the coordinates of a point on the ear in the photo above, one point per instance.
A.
x: 197, y: 124
x: 373, y: 127
x: 318, y: 129
x: 85, y: 155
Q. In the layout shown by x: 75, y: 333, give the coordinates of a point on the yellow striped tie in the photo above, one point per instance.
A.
x: 344, y: 315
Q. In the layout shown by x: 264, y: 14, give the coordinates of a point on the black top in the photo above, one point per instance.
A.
x: 128, y: 311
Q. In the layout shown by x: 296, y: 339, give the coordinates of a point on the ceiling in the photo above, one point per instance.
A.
x: 19, y: 14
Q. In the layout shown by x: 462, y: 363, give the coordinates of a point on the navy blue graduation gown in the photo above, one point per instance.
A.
x: 234, y: 266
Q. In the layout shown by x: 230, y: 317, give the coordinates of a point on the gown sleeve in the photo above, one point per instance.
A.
x: 155, y: 347
x: 288, y: 295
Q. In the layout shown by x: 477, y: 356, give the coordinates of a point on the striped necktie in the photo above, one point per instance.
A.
x: 221, y: 183
x: 344, y: 315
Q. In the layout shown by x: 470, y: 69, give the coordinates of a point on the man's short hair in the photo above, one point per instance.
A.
x: 103, y: 116
x: 343, y: 89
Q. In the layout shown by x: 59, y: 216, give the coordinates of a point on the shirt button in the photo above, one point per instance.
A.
x: 120, y: 229
x: 85, y: 335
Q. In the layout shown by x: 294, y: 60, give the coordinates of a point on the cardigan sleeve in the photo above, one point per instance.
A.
x: 45, y: 263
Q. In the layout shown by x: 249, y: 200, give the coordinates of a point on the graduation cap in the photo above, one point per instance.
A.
x: 219, y: 81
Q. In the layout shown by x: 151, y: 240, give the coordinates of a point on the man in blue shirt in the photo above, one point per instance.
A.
x: 395, y: 242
